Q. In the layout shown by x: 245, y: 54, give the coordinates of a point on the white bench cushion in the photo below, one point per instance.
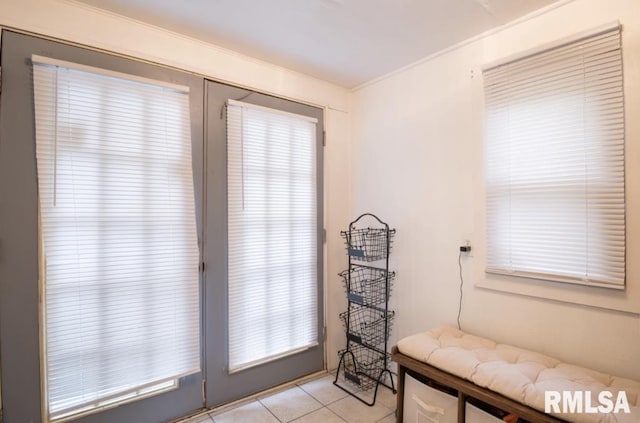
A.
x: 521, y: 375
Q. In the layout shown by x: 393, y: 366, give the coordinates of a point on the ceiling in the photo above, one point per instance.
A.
x: 347, y: 42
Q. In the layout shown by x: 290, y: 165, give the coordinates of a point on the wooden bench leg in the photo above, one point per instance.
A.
x: 400, y: 396
x: 462, y: 400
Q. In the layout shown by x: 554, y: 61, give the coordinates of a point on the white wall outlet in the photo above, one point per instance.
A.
x: 467, y: 242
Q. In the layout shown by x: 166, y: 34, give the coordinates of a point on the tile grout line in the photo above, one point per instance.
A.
x: 322, y: 405
x: 335, y: 414
x: 317, y: 399
x: 305, y: 414
x: 269, y: 410
x: 300, y: 385
x: 392, y: 413
x: 255, y: 396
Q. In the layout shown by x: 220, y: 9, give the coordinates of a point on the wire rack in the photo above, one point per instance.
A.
x: 363, y: 366
x: 366, y: 325
x: 367, y: 285
x: 368, y: 244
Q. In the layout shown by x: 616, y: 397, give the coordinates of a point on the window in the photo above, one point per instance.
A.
x: 118, y: 236
x: 555, y: 163
x: 272, y: 224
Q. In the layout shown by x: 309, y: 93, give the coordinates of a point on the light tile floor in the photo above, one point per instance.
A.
x: 315, y: 401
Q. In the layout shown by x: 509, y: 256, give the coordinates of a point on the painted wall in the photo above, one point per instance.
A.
x: 78, y: 23
x: 417, y: 161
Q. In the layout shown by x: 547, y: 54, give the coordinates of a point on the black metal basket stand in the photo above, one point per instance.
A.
x: 364, y: 362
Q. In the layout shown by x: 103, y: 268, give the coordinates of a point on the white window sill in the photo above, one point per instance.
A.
x: 627, y: 300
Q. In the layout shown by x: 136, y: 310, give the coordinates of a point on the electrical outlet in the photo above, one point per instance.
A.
x: 466, y: 249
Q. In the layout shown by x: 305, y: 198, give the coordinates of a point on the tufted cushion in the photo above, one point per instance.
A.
x: 519, y: 374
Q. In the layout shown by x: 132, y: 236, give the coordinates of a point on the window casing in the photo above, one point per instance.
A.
x: 555, y: 163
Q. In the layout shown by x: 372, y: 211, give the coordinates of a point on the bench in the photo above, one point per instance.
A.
x: 508, y: 378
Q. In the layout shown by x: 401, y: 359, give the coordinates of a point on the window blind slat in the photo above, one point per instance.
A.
x: 555, y: 164
x: 118, y: 234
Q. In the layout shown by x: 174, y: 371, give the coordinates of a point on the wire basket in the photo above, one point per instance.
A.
x: 363, y: 366
x: 367, y: 285
x: 368, y: 244
x: 366, y: 325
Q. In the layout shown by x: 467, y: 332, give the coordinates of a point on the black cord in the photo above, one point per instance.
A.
x: 461, y: 283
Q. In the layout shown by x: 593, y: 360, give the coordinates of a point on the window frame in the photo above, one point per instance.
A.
x: 500, y: 271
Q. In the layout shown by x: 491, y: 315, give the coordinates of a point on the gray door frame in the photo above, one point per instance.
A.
x: 19, y: 291
x: 221, y: 387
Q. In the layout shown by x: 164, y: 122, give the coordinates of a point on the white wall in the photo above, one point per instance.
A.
x: 417, y: 161
x: 74, y: 22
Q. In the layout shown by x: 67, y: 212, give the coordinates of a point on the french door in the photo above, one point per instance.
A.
x: 100, y: 181
x: 90, y: 348
x: 264, y: 242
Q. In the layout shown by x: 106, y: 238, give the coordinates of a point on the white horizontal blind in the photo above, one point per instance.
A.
x: 118, y: 233
x: 272, y: 234
x: 555, y: 164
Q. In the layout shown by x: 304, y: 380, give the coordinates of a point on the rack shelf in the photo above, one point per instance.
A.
x: 368, y: 244
x: 367, y: 285
x: 368, y: 326
x: 363, y: 364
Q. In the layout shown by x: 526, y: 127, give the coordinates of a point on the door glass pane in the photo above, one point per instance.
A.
x: 272, y: 224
